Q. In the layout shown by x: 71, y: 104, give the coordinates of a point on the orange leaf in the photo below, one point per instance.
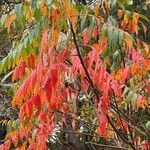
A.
x: 131, y: 26
x: 134, y: 69
x: 141, y: 102
x: 22, y: 112
x: 128, y: 41
x: 31, y: 61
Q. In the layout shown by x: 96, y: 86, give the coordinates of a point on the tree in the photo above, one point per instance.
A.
x: 80, y: 70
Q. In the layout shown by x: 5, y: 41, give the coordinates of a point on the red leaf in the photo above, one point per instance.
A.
x: 22, y: 68
x: 106, y: 89
x: 101, y: 78
x: 148, y: 87
x: 7, y: 145
x: 22, y: 134
x: 141, y: 102
x: 37, y: 103
x: 54, y: 76
x: 29, y: 109
x: 48, y: 88
x: 2, y: 147
x: 26, y: 86
x: 125, y: 74
x: 123, y: 24
x: 63, y: 122
x: 40, y: 73
x: 15, y: 140
x: 16, y: 74
x: 19, y: 71
x: 121, y: 123
x: 51, y: 56
x: 48, y: 93
x: 102, y: 124
x: 85, y: 37
x: 47, y: 84
x: 145, y: 145
x: 43, y: 117
x: 33, y: 80
x: 73, y: 124
x: 62, y: 56
x: 95, y: 32
x: 117, y: 90
x: 64, y: 107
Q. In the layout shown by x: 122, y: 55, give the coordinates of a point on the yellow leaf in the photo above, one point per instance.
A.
x: 54, y: 37
x: 8, y: 21
x: 128, y: 41
x: 29, y: 15
x: 70, y: 12
x: 96, y: 10
x: 43, y: 8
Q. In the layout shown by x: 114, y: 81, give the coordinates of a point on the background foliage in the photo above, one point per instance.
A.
x: 79, y: 70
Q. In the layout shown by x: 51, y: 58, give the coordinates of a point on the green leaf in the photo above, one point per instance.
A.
x: 121, y: 38
x: 110, y: 36
x: 125, y: 91
x: 144, y: 17
x: 104, y: 31
x: 116, y: 54
x: 132, y: 96
x: 91, y: 26
x: 113, y: 3
x: 115, y: 40
x: 3, y: 19
x: 79, y: 7
x: 129, y: 2
x: 148, y: 125
x: 48, y: 2
x: 83, y: 23
x: 15, y: 124
x: 37, y: 15
x: 0, y: 67
x: 18, y: 10
x: 112, y: 21
x: 121, y: 4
